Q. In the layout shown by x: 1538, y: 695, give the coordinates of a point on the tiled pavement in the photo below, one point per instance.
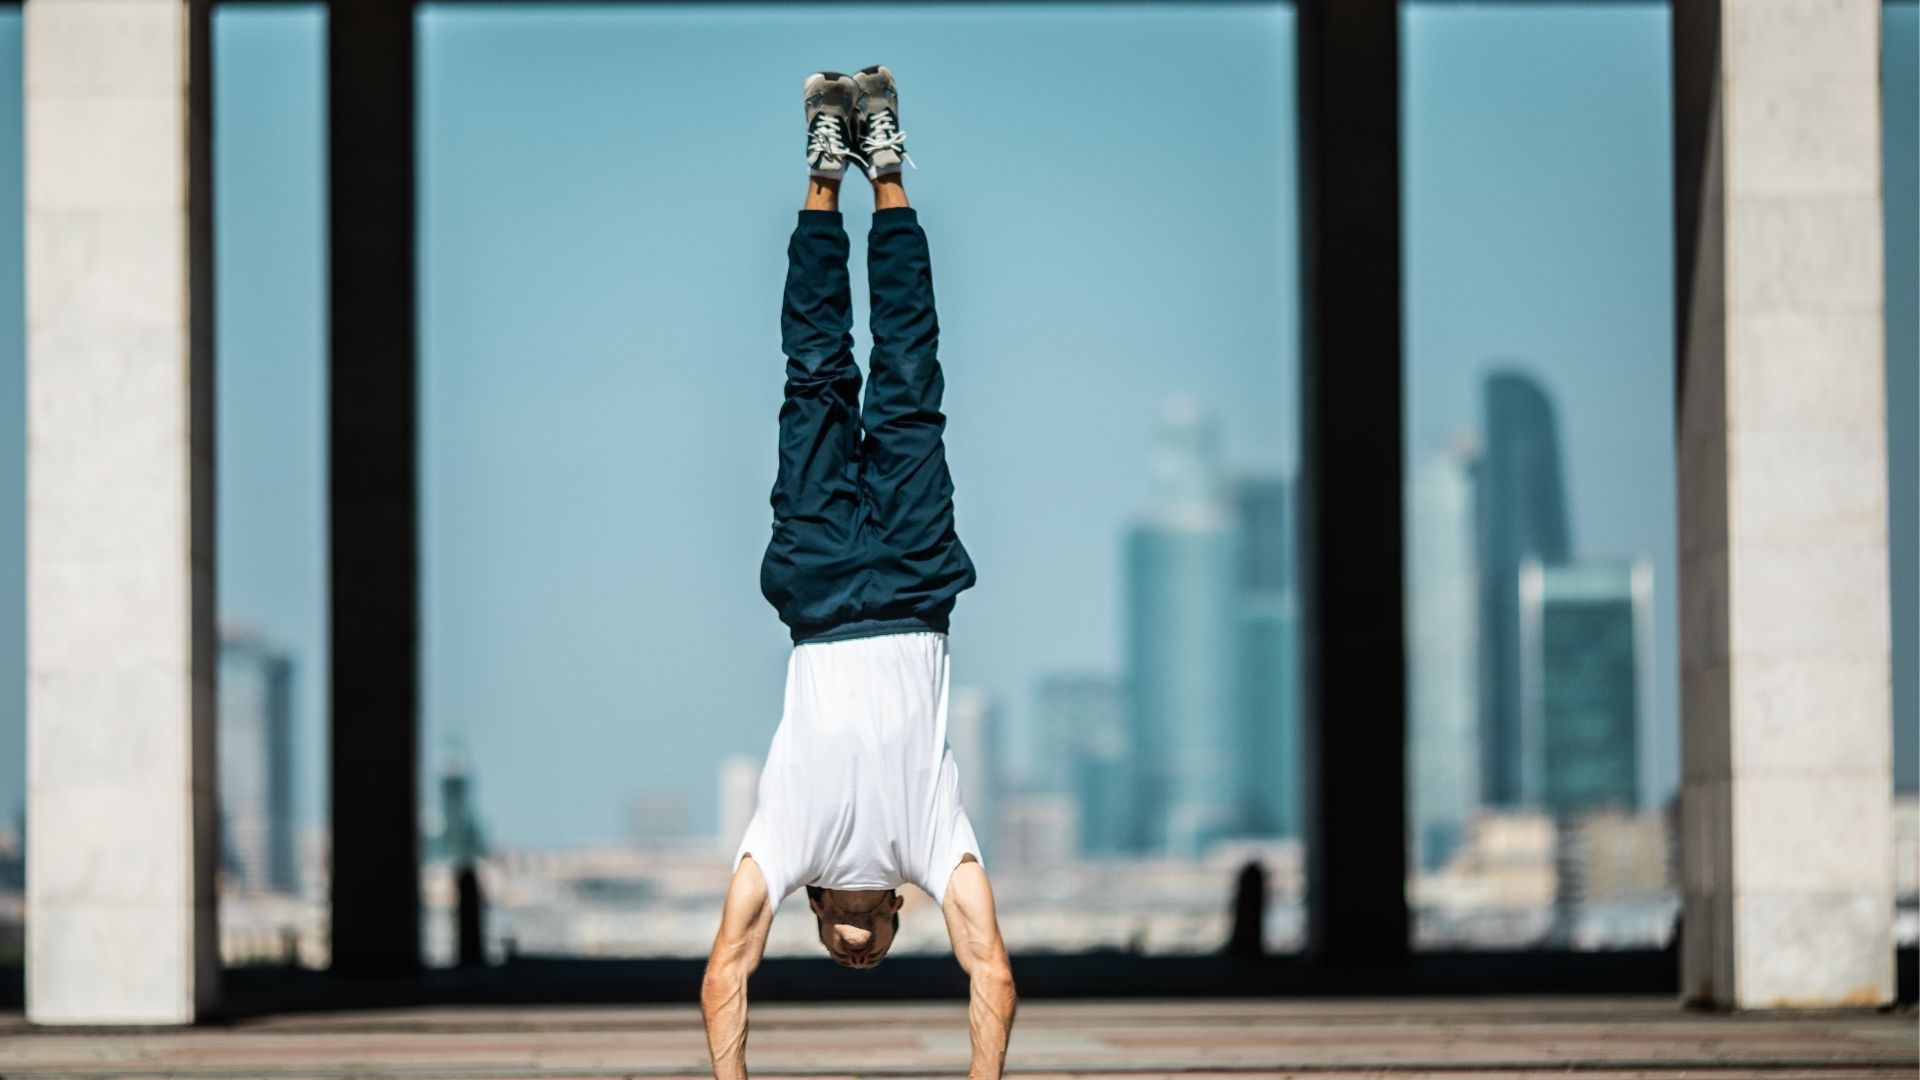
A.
x: 1454, y: 1038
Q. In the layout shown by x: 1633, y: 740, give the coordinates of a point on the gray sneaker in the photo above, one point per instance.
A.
x: 830, y: 115
x: 877, y: 111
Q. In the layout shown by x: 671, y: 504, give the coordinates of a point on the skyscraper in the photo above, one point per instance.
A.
x: 460, y: 838
x: 660, y: 818
x: 1584, y: 647
x: 1268, y: 746
x: 739, y: 793
x: 1443, y: 661
x: 1084, y: 754
x: 1037, y: 832
x: 256, y: 764
x: 1182, y: 646
x: 1523, y: 515
x: 973, y: 731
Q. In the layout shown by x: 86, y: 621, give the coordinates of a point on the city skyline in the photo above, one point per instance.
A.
x: 1212, y: 744
x: 269, y: 264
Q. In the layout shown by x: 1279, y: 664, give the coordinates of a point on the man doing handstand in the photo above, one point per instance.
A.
x: 860, y: 794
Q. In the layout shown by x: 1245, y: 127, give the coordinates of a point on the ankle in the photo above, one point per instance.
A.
x: 822, y: 194
x: 889, y: 192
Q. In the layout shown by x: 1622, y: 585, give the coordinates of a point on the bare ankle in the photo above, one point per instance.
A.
x: 822, y: 194
x: 889, y: 192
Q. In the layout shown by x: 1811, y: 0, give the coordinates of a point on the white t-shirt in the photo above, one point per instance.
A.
x: 860, y: 790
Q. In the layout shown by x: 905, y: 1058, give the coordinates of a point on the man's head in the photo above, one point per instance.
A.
x: 856, y: 925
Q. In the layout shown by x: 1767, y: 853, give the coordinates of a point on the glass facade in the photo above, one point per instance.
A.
x: 1523, y: 516
x: 1267, y: 757
x: 256, y: 768
x: 1583, y: 675
x: 1085, y: 756
x: 1443, y: 668
x: 1181, y: 623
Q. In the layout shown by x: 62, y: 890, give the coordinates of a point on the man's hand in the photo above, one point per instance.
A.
x: 975, y: 934
x: 737, y: 949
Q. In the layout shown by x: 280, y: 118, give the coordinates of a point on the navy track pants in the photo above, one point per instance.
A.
x: 863, y: 531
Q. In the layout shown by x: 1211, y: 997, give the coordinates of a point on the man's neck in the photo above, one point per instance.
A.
x: 855, y: 901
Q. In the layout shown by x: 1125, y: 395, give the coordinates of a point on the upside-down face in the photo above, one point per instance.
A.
x: 856, y: 926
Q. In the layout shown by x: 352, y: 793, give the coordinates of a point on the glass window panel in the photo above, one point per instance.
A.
x: 270, y: 261
x: 1538, y: 283
x: 605, y: 199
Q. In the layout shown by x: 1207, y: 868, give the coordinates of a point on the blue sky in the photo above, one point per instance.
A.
x: 605, y: 194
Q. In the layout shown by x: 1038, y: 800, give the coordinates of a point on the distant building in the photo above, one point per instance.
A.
x: 1616, y: 885
x: 1616, y: 855
x: 256, y: 765
x: 1443, y: 655
x: 739, y: 789
x: 1585, y: 641
x: 460, y: 839
x: 1182, y: 575
x: 973, y: 731
x: 1082, y: 721
x: 13, y: 856
x: 1523, y: 515
x: 1037, y: 832
x: 1507, y: 861
x: 1267, y: 750
x: 660, y: 819
x: 1906, y: 848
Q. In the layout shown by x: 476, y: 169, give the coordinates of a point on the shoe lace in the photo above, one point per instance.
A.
x: 824, y: 141
x: 881, y: 132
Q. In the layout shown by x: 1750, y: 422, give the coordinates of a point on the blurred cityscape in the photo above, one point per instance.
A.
x: 1150, y: 789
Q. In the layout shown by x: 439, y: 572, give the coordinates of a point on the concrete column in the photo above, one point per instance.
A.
x: 1786, y: 781
x: 120, y: 607
x: 1352, y: 483
x: 373, y: 494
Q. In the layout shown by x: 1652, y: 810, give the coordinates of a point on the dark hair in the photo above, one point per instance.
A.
x: 815, y: 892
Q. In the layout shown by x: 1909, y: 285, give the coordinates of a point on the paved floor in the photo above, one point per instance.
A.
x: 1458, y: 1039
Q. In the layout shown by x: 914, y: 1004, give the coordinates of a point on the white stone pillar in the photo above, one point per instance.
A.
x: 120, y: 646
x: 1786, y: 726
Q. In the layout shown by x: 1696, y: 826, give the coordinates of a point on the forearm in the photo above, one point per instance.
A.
x: 723, y: 1006
x: 737, y: 948
x: 990, y: 1008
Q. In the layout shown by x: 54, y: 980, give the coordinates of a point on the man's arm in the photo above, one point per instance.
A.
x: 975, y: 934
x: 737, y: 948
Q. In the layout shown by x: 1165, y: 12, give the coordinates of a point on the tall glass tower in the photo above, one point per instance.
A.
x: 1269, y: 708
x: 973, y: 731
x: 1182, y: 606
x: 256, y: 764
x: 1444, y: 654
x: 1585, y: 636
x: 1523, y: 515
x: 1084, y: 755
